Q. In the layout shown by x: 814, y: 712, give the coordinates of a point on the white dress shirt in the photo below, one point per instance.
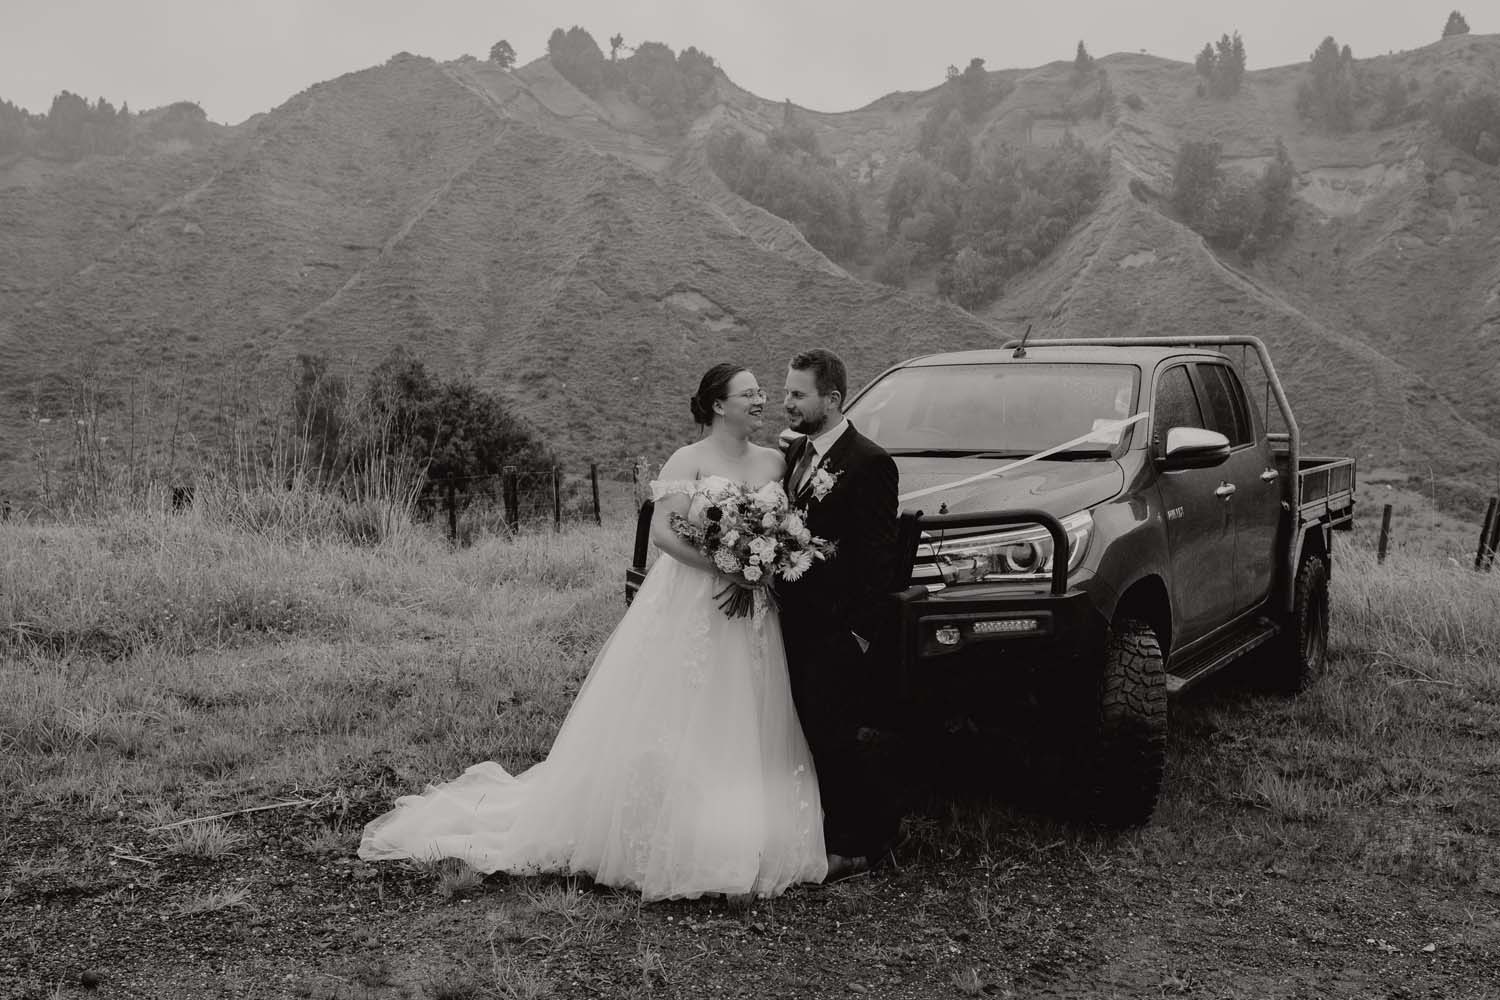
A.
x: 822, y: 444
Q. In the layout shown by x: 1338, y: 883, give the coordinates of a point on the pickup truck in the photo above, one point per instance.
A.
x: 1085, y: 586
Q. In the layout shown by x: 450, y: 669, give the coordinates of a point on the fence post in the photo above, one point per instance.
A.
x: 557, y: 498
x: 512, y: 498
x: 1484, y: 535
x: 1385, y: 533
x: 594, y: 481
x: 1494, y: 546
x: 452, y: 512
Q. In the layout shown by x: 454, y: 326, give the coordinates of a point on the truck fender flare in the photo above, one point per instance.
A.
x: 1163, y: 619
x: 1314, y: 537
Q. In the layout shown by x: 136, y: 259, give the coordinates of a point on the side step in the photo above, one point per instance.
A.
x: 1220, y: 653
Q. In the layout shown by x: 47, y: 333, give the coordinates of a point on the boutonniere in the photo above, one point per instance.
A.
x: 822, y: 482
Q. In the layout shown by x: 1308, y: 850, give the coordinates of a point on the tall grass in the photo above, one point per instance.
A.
x: 275, y: 452
x: 147, y: 652
x: 1430, y: 612
x: 211, y: 654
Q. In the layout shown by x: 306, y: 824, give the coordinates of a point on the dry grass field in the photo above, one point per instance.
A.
x: 159, y: 669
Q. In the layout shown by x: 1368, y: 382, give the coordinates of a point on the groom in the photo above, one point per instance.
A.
x: 833, y: 614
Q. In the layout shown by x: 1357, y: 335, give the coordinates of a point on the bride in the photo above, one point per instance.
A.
x: 681, y: 768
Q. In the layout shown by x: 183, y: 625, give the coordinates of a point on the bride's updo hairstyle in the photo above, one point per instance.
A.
x: 713, y: 387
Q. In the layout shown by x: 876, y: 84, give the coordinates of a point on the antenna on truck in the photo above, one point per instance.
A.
x: 1021, y: 347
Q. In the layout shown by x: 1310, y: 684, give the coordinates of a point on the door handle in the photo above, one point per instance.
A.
x: 1269, y: 475
x: 1225, y: 490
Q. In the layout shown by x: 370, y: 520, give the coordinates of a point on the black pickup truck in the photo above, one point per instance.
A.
x: 1192, y: 537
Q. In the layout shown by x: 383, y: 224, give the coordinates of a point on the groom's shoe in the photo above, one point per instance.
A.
x: 841, y: 867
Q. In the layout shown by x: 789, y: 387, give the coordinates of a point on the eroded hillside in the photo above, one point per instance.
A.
x: 570, y: 253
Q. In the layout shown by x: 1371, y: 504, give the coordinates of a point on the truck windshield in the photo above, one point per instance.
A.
x: 996, y: 408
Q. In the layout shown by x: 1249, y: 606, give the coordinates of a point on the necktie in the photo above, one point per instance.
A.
x: 804, y: 466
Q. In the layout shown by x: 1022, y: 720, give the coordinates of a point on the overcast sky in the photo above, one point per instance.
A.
x: 240, y: 57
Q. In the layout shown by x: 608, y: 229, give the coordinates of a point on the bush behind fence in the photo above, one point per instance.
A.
x: 517, y: 499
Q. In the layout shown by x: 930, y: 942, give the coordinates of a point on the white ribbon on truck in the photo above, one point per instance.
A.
x: 1107, y: 431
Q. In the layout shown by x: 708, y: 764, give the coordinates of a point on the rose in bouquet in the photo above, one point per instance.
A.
x: 754, y: 537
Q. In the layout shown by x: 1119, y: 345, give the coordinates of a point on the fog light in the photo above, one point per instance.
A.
x: 946, y: 636
x: 1007, y: 626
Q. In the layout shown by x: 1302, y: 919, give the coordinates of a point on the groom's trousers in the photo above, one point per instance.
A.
x: 833, y: 689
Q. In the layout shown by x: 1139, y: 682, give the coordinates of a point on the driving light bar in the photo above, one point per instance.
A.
x: 1007, y: 626
x: 946, y: 634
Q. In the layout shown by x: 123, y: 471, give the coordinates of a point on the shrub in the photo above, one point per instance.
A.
x: 1222, y: 68
x: 1391, y: 101
x: 1083, y: 64
x: 921, y: 188
x: 73, y: 128
x: 971, y: 279
x: 1195, y: 178
x: 576, y: 56
x: 975, y: 95
x: 454, y: 428
x: 672, y: 88
x: 895, y: 264
x: 406, y: 427
x: 1470, y: 120
x: 1326, y: 96
x: 1233, y: 213
x: 1008, y: 210
x: 801, y: 187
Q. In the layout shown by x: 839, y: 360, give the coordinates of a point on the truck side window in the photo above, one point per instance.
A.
x: 1225, y: 404
x: 1176, y: 404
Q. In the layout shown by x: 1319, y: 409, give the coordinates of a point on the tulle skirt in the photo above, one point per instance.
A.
x: 681, y: 768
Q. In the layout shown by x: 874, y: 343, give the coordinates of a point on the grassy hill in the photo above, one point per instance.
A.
x: 573, y: 255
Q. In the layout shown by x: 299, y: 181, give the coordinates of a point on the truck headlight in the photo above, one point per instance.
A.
x: 1014, y: 554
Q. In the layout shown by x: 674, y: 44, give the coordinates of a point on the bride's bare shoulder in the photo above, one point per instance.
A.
x: 683, y: 464
x: 773, y: 458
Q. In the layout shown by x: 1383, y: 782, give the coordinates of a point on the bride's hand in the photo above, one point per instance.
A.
x: 738, y: 594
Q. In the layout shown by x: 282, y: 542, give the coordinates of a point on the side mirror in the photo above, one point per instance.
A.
x: 1194, y: 448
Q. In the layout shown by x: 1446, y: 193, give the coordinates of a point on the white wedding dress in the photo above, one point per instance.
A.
x: 681, y: 768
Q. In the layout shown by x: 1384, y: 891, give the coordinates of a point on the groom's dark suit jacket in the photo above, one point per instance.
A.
x: 847, y: 592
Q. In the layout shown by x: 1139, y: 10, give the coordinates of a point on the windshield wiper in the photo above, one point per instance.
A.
x: 952, y: 453
x: 1074, y: 454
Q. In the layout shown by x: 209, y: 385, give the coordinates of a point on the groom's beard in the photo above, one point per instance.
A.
x: 804, y: 425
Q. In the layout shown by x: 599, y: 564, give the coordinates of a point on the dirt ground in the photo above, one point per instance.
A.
x: 1223, y: 895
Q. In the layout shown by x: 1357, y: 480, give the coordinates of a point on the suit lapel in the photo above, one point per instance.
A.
x: 833, y: 461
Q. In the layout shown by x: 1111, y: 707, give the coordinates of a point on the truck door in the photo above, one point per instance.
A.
x: 1200, y: 525
x: 1251, y: 470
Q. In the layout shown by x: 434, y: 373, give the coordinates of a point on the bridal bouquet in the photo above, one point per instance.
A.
x: 755, y: 537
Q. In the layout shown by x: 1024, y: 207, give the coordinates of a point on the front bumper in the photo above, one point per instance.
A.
x: 990, y: 650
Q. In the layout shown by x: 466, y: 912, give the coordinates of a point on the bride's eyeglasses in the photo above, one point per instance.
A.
x: 750, y: 394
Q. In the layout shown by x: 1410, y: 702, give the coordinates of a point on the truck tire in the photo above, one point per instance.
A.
x: 1128, y: 748
x: 1298, y: 655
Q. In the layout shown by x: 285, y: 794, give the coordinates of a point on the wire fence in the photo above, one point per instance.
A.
x: 519, y: 499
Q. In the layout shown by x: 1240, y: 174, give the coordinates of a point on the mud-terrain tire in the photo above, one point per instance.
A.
x: 1128, y: 748
x: 1295, y: 660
